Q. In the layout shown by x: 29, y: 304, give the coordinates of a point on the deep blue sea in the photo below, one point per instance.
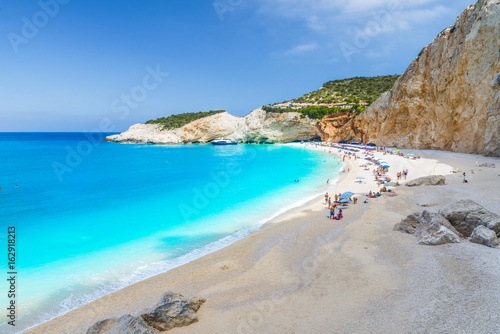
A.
x: 92, y: 217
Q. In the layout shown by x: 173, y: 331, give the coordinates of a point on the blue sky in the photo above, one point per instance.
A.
x: 69, y: 64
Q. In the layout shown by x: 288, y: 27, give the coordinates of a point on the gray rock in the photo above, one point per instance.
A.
x: 442, y: 236
x: 488, y: 165
x: 126, y: 324
x: 496, y: 81
x: 484, y: 236
x: 434, y: 229
x: 465, y: 215
x: 173, y: 311
x: 408, y: 225
x: 433, y: 180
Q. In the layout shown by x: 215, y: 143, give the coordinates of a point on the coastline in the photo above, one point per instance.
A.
x: 301, y: 263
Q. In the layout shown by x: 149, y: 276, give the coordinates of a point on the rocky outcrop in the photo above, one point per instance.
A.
x: 434, y: 229
x: 408, y: 224
x: 430, y: 229
x: 126, y: 324
x: 466, y: 215
x: 172, y: 311
x: 484, y: 236
x: 448, y: 98
x: 257, y: 127
x: 330, y: 124
x: 433, y: 180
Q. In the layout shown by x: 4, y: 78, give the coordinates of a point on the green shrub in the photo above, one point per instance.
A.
x: 177, y: 121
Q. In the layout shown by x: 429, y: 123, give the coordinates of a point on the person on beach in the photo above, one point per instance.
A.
x: 336, y: 198
x: 332, y: 212
x: 326, y: 198
x: 328, y: 181
x: 355, y: 199
x: 329, y: 202
x: 465, y: 179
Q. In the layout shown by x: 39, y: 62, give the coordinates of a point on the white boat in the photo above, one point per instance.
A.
x: 222, y: 141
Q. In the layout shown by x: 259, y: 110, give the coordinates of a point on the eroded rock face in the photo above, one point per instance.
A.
x: 466, y: 215
x: 126, y: 324
x: 258, y: 126
x: 448, y: 98
x: 433, y: 180
x: 173, y: 311
x: 484, y: 236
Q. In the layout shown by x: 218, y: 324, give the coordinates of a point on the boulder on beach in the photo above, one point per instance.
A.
x: 487, y: 165
x: 408, y: 224
x: 432, y: 180
x: 484, y: 236
x: 434, y: 229
x: 465, y: 215
x: 126, y: 324
x: 174, y: 310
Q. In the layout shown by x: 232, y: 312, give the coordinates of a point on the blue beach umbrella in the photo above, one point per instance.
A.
x: 386, y: 166
x: 347, y: 194
x: 345, y: 200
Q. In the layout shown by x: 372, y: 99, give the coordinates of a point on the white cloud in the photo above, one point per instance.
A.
x: 301, y: 49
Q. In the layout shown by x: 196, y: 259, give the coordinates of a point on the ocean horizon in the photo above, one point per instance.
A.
x: 92, y: 217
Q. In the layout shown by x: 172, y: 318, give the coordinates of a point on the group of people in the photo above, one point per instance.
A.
x: 402, y: 174
x: 333, y: 205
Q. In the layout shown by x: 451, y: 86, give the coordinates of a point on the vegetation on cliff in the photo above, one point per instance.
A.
x: 313, y: 112
x: 177, y: 121
x: 350, y: 91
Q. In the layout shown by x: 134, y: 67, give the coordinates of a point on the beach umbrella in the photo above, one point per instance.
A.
x: 345, y: 200
x: 410, y: 154
x: 386, y: 166
x: 390, y: 184
x: 347, y: 194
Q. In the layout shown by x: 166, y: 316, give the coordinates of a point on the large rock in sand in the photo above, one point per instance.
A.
x: 434, y: 229
x: 173, y: 311
x: 466, y: 215
x: 484, y: 236
x: 126, y: 324
x: 433, y: 180
x: 408, y: 224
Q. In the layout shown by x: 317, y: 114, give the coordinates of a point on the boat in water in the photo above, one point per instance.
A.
x: 222, y: 141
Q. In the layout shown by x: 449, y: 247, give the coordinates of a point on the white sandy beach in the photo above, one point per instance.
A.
x: 304, y: 273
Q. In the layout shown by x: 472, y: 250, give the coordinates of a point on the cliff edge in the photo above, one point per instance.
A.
x: 448, y: 98
x: 257, y: 127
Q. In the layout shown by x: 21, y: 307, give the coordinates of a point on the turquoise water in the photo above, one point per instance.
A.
x: 92, y: 217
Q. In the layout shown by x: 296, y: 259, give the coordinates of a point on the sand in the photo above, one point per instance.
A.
x: 304, y: 273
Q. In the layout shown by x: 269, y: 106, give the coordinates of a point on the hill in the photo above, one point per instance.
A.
x: 350, y: 91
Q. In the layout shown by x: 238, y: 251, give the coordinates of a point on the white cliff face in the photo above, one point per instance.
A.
x: 449, y: 97
x: 258, y: 126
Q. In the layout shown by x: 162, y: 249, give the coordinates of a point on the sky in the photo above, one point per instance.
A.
x: 88, y: 65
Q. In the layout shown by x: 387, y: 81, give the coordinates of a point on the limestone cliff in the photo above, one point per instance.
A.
x: 448, y: 98
x: 258, y: 126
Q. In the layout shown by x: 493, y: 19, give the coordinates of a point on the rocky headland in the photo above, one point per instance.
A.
x: 257, y: 127
x: 448, y: 99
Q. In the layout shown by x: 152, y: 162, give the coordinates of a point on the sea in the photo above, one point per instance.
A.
x: 91, y: 217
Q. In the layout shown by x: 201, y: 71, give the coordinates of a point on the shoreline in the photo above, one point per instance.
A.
x: 215, y: 245
x: 258, y: 270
